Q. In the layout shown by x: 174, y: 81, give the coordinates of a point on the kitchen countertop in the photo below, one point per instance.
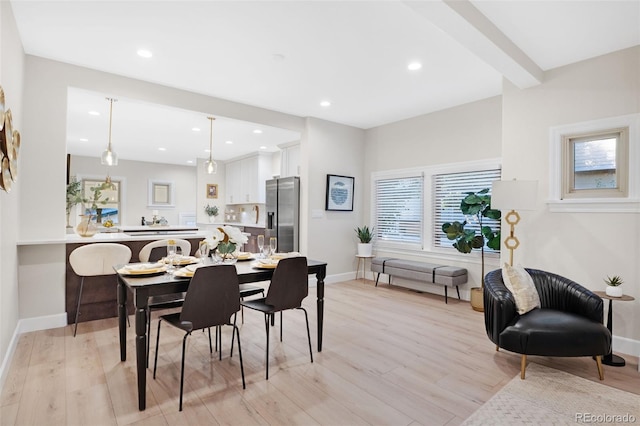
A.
x: 112, y: 237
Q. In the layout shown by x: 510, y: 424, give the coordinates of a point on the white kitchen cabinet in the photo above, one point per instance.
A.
x: 245, y: 179
x: 290, y: 160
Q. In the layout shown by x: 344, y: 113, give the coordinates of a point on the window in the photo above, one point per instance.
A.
x: 596, y: 164
x: 399, y: 203
x: 448, y: 191
x: 409, y: 206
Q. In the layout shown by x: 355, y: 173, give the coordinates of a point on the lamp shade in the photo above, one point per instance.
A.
x: 514, y: 194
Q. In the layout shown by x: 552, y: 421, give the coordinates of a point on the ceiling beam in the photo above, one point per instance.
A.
x: 466, y: 24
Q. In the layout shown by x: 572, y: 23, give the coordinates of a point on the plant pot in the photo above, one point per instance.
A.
x: 612, y: 291
x: 365, y: 249
x: 477, y: 299
x: 212, y: 219
x: 86, y: 227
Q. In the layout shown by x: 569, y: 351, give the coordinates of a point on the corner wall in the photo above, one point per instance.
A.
x: 11, y: 79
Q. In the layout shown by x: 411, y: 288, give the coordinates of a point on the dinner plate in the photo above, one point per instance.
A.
x: 142, y: 270
x: 183, y: 260
x: 260, y: 265
x: 183, y: 273
x: 242, y: 256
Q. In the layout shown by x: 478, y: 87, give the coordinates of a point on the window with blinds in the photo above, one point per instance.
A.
x: 399, y: 210
x: 448, y: 191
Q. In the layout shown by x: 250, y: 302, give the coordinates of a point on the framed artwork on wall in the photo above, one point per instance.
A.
x: 212, y: 190
x: 339, y: 193
x: 160, y: 194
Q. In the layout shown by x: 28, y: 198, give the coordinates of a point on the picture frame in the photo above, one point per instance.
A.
x: 339, y: 194
x: 161, y: 194
x: 212, y: 190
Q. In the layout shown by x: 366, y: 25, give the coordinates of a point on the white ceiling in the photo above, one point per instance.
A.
x: 288, y: 56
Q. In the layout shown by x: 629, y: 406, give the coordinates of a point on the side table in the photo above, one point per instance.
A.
x: 363, y: 259
x: 611, y: 359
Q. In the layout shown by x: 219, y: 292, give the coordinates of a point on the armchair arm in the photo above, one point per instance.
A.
x: 499, y: 306
x: 557, y: 292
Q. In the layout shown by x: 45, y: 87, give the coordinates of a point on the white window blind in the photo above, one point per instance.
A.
x: 399, y: 209
x: 448, y: 191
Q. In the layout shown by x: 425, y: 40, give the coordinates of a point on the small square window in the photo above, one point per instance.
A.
x: 595, y: 165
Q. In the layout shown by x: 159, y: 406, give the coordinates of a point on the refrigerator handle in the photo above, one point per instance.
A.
x: 270, y: 216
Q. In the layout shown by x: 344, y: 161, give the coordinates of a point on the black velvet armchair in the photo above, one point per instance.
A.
x: 568, y: 323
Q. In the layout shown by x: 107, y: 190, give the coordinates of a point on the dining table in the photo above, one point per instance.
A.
x: 142, y: 286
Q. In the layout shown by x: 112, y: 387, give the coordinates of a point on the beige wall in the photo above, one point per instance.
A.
x: 585, y: 247
x: 11, y: 78
x: 468, y: 132
x: 135, y: 176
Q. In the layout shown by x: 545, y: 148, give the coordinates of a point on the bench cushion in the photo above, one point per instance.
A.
x: 450, y: 275
x: 377, y: 264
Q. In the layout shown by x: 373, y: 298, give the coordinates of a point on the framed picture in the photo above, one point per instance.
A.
x: 212, y: 190
x: 160, y: 194
x: 339, y: 193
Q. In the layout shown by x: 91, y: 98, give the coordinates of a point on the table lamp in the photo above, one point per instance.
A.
x: 513, y: 195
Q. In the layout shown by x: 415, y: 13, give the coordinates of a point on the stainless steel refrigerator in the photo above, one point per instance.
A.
x: 283, y: 213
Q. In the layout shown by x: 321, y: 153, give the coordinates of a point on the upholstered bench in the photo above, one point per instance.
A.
x: 420, y: 271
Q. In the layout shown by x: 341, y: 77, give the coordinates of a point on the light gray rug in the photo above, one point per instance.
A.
x: 552, y: 397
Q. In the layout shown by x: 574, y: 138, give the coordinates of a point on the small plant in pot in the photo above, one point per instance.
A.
x: 211, y: 211
x: 365, y: 235
x: 614, y: 286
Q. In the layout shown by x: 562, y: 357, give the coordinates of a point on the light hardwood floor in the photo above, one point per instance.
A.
x: 390, y: 357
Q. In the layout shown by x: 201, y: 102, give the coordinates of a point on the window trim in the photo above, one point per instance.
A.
x: 427, y: 225
x: 625, y: 204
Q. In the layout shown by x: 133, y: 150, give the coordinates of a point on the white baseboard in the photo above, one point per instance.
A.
x: 25, y: 326
x: 625, y: 345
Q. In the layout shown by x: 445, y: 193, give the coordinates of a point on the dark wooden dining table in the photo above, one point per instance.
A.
x: 142, y: 287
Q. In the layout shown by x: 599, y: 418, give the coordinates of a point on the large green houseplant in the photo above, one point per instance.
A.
x: 476, y: 205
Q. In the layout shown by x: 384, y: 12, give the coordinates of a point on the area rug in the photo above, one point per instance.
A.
x: 552, y: 397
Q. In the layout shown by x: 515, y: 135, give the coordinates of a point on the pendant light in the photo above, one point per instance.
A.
x: 109, y: 157
x: 210, y: 165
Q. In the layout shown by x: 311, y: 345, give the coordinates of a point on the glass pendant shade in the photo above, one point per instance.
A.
x: 109, y: 158
x: 211, y: 166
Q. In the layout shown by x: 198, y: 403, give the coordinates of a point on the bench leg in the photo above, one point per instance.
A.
x: 445, y: 295
x: 377, y: 278
x: 458, y: 290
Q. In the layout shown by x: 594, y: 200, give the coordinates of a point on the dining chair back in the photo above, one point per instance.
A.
x: 96, y: 259
x: 212, y: 298
x: 145, y: 252
x: 289, y: 286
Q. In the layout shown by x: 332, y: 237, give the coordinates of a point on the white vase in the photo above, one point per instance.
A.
x: 612, y: 291
x: 212, y: 219
x: 365, y: 249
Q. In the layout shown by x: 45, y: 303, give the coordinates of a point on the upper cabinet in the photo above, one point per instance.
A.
x: 245, y: 179
x: 290, y: 160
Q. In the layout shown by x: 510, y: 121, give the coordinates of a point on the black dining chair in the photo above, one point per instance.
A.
x: 153, y: 252
x: 289, y: 286
x: 211, y: 300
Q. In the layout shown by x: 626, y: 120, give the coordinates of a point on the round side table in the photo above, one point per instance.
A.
x: 363, y: 259
x: 610, y: 358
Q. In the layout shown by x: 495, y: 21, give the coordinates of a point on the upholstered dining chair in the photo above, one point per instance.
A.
x: 289, y: 286
x: 153, y: 252
x: 212, y: 299
x: 568, y: 322
x: 96, y: 259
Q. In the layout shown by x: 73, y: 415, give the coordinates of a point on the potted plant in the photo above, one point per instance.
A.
x: 212, y: 212
x: 614, y: 286
x: 365, y: 235
x: 74, y: 196
x: 478, y: 206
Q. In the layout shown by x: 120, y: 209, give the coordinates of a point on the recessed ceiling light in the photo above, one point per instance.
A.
x: 189, y: 161
x: 229, y: 142
x: 162, y: 149
x: 263, y: 147
x: 257, y: 131
x: 195, y: 129
x: 144, y: 53
x: 84, y: 140
x: 207, y: 150
x: 414, y: 66
x: 94, y: 113
x: 325, y: 104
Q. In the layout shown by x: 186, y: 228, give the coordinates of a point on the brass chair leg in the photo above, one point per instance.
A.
x: 523, y: 366
x: 497, y: 348
x: 600, y: 370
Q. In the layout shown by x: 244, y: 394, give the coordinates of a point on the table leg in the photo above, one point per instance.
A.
x: 358, y: 268
x: 122, y: 318
x: 610, y: 358
x: 141, y: 355
x: 320, y: 304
